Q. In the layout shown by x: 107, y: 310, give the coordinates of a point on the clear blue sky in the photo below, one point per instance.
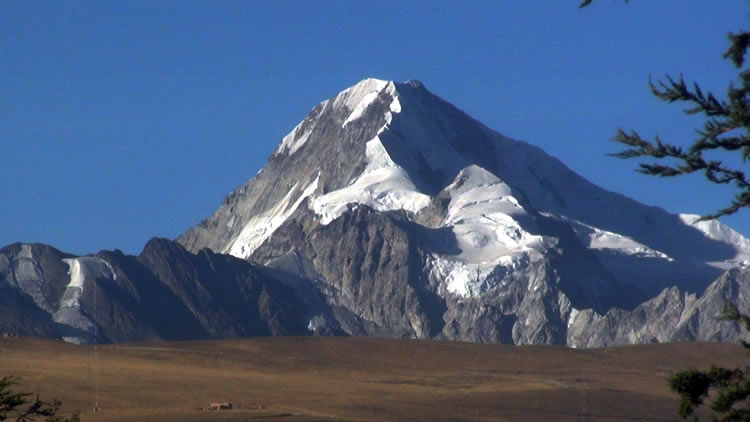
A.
x: 120, y: 121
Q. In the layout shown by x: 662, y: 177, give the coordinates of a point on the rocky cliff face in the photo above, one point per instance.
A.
x: 673, y: 315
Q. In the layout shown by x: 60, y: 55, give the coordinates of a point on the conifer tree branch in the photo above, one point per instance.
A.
x: 23, y: 410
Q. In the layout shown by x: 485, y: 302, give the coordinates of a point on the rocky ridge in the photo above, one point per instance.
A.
x: 164, y: 293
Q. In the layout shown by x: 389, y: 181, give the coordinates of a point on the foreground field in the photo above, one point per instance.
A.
x: 355, y: 379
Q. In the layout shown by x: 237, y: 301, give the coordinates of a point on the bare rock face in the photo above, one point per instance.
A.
x: 165, y: 293
x: 367, y: 263
x: 673, y: 315
x: 20, y: 316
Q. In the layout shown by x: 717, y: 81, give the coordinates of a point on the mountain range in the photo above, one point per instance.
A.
x: 390, y: 212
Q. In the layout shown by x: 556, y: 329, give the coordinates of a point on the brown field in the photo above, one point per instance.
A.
x: 358, y: 379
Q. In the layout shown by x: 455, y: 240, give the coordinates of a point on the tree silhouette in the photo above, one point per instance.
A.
x: 17, y: 407
x: 729, y: 389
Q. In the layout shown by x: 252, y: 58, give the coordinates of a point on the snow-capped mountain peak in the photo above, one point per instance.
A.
x: 388, y: 211
x: 501, y: 203
x: 354, y: 100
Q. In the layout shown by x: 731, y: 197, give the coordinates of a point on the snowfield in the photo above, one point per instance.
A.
x: 383, y: 186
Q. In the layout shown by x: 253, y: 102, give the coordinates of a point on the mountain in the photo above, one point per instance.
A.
x: 165, y: 293
x: 412, y: 219
x: 389, y: 212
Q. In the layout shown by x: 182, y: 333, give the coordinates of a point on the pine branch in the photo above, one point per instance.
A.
x: 738, y: 44
x: 16, y: 403
x: 677, y: 90
x: 692, y: 160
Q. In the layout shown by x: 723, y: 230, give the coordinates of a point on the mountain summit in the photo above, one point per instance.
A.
x: 414, y: 219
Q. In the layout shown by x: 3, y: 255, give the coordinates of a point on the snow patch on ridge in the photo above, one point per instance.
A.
x: 716, y: 230
x: 294, y: 140
x: 395, y: 106
x: 595, y: 238
x: 259, y: 228
x: 383, y: 186
x: 481, y: 215
x: 297, y: 137
x: 354, y: 96
x: 368, y: 99
x: 492, y: 243
x: 70, y: 312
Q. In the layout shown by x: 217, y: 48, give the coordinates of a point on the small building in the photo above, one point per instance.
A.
x: 220, y: 406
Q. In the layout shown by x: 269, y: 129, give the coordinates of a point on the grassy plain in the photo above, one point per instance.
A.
x: 358, y: 379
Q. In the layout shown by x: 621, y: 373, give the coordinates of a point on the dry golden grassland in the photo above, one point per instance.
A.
x: 358, y: 379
